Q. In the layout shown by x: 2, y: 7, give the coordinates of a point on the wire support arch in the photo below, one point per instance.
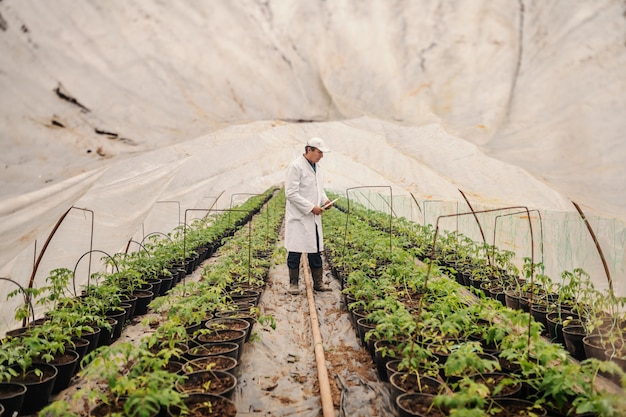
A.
x: 27, y: 299
x: 89, y: 274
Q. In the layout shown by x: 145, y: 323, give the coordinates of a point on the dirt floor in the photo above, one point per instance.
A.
x: 278, y: 374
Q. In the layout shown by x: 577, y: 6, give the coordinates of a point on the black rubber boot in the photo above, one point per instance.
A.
x: 318, y: 284
x: 294, y: 275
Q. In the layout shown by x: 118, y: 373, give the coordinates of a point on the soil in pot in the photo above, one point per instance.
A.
x: 499, y: 384
x: 205, y: 405
x: 509, y: 366
x: 180, y: 354
x: 212, y: 382
x: 240, y: 294
x: 174, y: 367
x: 228, y: 323
x: 250, y: 318
x: 66, y: 364
x: 20, y: 331
x: 442, y: 348
x: 418, y: 404
x: 402, y: 382
x: 115, y: 408
x: 411, y: 300
x: 12, y: 397
x: 425, y: 369
x: 215, y: 363
x: 230, y: 349
x: 515, y: 407
x: 224, y: 335
x: 80, y: 346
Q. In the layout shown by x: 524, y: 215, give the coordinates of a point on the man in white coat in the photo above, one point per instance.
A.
x: 304, y: 190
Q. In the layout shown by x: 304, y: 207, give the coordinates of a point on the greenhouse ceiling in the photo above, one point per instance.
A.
x: 131, y: 111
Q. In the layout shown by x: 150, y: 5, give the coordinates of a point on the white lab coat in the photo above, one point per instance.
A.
x: 304, y: 189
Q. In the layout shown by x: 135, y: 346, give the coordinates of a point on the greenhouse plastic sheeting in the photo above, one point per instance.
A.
x: 141, y: 111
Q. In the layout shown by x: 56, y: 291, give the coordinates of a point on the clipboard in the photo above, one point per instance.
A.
x: 325, y: 206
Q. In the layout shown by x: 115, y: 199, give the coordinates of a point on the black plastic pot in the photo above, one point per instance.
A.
x: 143, y: 299
x: 512, y: 299
x: 93, y: 338
x: 224, y: 335
x: 129, y: 303
x: 80, y: 346
x: 166, y: 285
x: 66, y: 365
x: 38, y: 389
x: 555, y: 324
x: 540, y: 313
x: 156, y: 286
x: 250, y: 318
x: 230, y: 323
x: 106, y: 334
x: 12, y: 397
x: 384, y: 352
x: 120, y: 318
x: 362, y: 327
x: 573, y: 336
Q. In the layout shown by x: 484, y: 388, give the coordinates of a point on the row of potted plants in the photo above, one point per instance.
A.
x: 188, y: 332
x: 419, y: 317
x: 71, y: 317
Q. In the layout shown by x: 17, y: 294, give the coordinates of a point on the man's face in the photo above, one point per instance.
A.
x: 314, y: 155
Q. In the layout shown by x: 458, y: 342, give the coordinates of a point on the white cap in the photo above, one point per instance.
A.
x: 319, y: 144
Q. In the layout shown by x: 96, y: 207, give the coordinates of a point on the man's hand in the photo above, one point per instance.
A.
x: 317, y: 210
x: 329, y: 204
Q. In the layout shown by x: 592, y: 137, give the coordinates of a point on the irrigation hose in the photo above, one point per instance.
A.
x: 328, y: 410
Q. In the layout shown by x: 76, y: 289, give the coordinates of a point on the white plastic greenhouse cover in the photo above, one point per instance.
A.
x: 133, y: 112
